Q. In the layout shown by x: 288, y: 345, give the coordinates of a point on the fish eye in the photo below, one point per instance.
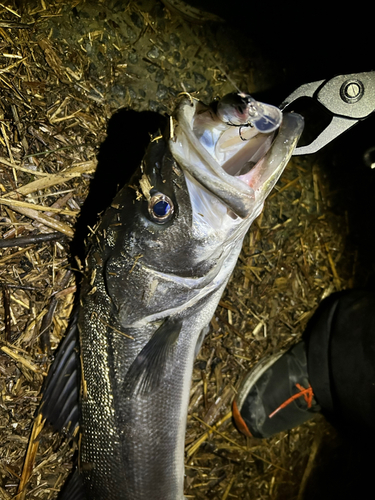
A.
x: 160, y: 208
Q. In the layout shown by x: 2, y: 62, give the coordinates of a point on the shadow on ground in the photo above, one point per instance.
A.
x: 128, y: 136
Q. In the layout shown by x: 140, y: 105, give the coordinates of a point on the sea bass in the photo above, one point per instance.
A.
x: 156, y: 268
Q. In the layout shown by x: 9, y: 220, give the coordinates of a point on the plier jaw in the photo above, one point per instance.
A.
x: 349, y: 98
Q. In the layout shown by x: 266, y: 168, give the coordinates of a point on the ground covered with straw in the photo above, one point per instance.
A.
x: 66, y: 68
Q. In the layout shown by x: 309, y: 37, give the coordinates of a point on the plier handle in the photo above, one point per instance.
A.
x: 350, y: 98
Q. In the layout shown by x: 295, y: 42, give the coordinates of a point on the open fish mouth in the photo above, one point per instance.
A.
x: 236, y: 149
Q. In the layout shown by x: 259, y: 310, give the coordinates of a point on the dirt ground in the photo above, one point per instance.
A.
x: 72, y: 72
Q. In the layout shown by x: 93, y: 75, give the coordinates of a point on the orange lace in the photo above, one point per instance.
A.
x: 306, y: 393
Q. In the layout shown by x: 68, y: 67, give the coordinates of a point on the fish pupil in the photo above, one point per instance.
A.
x: 161, y: 208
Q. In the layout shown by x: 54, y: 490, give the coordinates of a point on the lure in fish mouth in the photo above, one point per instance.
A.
x: 157, y: 266
x: 237, y: 148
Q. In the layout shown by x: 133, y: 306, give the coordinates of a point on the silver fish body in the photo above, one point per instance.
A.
x: 151, y: 287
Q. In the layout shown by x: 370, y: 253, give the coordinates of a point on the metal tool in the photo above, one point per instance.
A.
x: 350, y: 98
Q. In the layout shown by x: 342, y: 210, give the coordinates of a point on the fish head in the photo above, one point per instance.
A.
x: 150, y: 219
x: 178, y: 226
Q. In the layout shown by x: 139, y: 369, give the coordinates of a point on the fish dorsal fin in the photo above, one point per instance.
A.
x: 60, y: 400
x: 149, y: 367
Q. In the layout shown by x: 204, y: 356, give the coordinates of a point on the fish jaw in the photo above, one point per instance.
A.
x: 209, y: 159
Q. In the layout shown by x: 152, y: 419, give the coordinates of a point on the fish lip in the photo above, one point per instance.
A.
x: 242, y: 195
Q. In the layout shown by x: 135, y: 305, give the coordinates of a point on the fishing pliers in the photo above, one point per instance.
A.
x: 350, y: 98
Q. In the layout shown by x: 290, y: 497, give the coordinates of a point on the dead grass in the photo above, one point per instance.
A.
x: 65, y: 67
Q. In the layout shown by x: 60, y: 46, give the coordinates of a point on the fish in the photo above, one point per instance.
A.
x: 156, y: 267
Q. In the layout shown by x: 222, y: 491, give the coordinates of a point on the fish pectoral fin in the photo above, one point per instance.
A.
x: 149, y: 367
x: 60, y: 400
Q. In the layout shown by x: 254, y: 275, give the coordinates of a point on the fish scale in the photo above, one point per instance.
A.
x: 151, y: 419
x: 152, y: 283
